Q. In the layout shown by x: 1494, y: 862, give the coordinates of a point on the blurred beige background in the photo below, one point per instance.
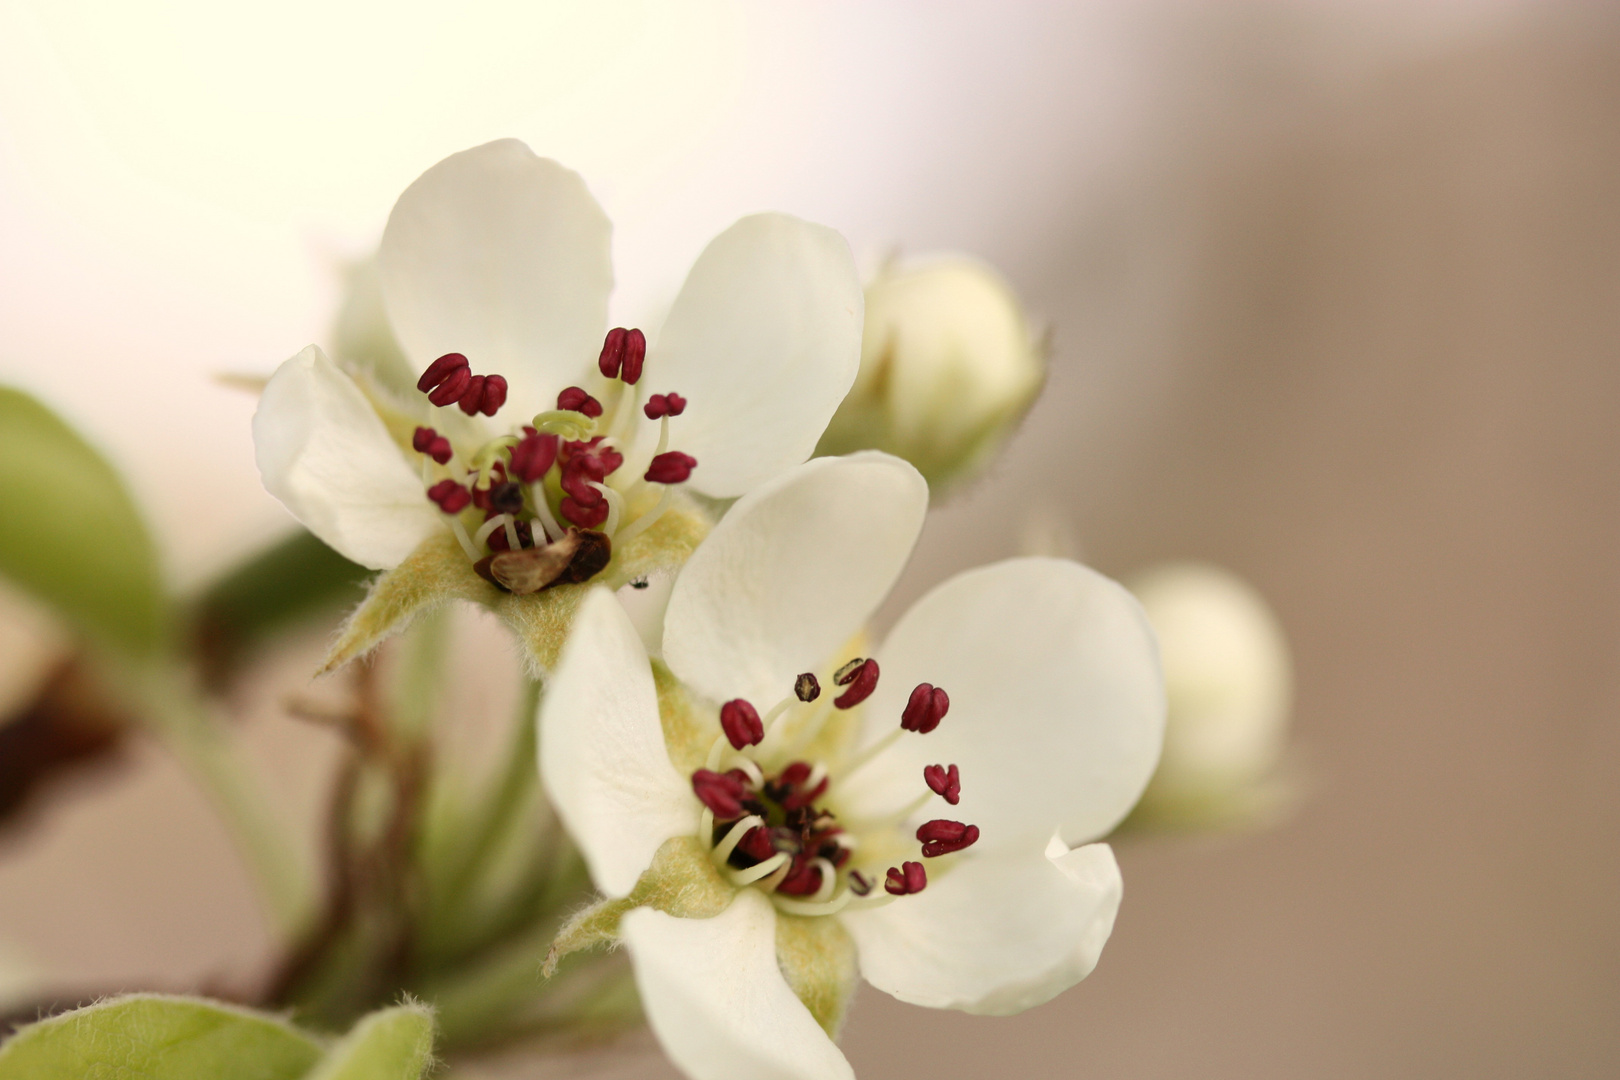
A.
x: 1336, y: 303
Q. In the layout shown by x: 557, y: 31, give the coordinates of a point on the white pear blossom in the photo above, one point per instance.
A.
x: 522, y: 420
x: 1229, y: 683
x: 949, y: 366
x: 772, y: 807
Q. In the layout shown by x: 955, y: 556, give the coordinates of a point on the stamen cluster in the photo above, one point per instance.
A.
x: 546, y: 491
x: 767, y: 827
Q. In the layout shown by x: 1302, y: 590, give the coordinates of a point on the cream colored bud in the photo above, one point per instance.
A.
x: 1229, y: 684
x: 948, y: 369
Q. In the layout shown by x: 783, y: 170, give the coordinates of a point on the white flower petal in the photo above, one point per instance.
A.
x: 602, y: 755
x: 325, y: 454
x: 502, y: 256
x: 764, y: 341
x: 791, y: 573
x: 1057, y: 702
x: 997, y: 934
x: 717, y: 1001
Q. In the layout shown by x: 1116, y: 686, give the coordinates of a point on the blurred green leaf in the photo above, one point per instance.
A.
x: 72, y: 535
x: 294, y: 579
x: 393, y: 1044
x: 152, y: 1037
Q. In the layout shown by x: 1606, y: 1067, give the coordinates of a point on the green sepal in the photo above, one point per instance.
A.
x: 156, y: 1037
x: 817, y: 958
x: 438, y: 571
x: 682, y: 881
x: 391, y: 1044
x: 73, y: 536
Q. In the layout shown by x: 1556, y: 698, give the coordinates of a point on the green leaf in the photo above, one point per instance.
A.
x: 393, y: 1044
x: 72, y: 535
x: 153, y: 1037
x: 294, y: 579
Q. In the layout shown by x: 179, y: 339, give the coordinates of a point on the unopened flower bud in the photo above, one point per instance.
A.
x: 948, y: 369
x: 1228, y: 682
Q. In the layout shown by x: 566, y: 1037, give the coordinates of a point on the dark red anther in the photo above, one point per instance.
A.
x: 612, y: 352
x: 806, y: 687
x: 941, y: 837
x: 532, y: 457
x: 756, y: 844
x: 926, y: 708
x: 635, y: 354
x: 802, y: 879
x: 673, y: 467
x: 439, y: 370
x: 427, y: 441
x: 575, y: 399
x: 576, y: 483
x: 909, y: 877
x: 861, y: 676
x: 497, y: 540
x: 721, y: 792
x: 946, y: 784
x: 452, y: 387
x: 586, y: 517
x: 451, y: 496
x: 859, y: 883
x: 494, y: 395
x: 740, y: 721
x: 472, y: 395
x: 671, y: 404
x: 789, y: 790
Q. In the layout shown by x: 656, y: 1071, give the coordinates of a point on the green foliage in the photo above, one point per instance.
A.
x: 71, y: 533
x: 156, y: 1037
x: 293, y: 579
x: 148, y: 1037
x: 393, y: 1044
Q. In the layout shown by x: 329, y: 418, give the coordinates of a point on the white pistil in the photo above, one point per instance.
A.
x: 615, y: 503
x: 818, y: 773
x: 728, y: 843
x: 719, y: 747
x: 513, y: 541
x: 427, y: 471
x: 488, y: 528
x: 747, y: 765
x: 461, y: 536
x: 808, y: 729
x: 542, y: 509
x: 645, y: 521
x: 872, y: 751
x: 760, y: 870
x: 706, y: 826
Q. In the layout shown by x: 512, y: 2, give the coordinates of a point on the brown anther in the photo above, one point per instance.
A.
x: 451, y: 497
x: 946, y: 784
x: 941, y: 837
x: 721, y: 792
x: 533, y: 455
x: 659, y: 405
x: 439, y: 369
x: 861, y: 680
x: 575, y: 399
x: 672, y: 467
x: 576, y: 557
x: 806, y: 688
x: 740, y: 721
x: 907, y: 878
x: 506, y: 498
x: 925, y: 709
x: 859, y: 883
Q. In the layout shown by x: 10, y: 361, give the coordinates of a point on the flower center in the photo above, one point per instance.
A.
x: 552, y: 499
x: 768, y: 827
